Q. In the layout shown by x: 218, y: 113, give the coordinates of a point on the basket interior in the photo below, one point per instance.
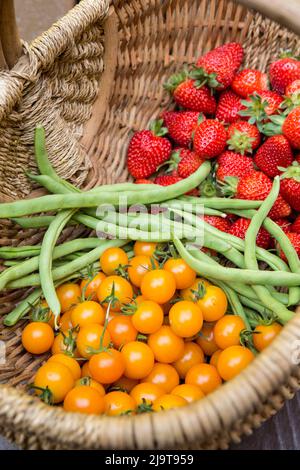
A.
x: 155, y: 39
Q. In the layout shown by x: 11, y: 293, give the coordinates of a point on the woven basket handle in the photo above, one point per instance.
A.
x: 284, y: 12
x: 11, y: 47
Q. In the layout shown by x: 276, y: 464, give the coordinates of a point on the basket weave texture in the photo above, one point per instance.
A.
x: 91, y: 80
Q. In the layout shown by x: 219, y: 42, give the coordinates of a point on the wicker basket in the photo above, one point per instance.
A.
x: 89, y: 115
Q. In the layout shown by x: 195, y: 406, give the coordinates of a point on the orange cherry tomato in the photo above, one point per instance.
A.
x: 118, y: 403
x: 163, y: 375
x: 139, y: 299
x: 65, y: 322
x: 184, y: 275
x: 107, y: 366
x: 158, y: 285
x: 82, y: 399
x: 189, y: 392
x: 144, y: 248
x: 87, y: 312
x: 146, y: 392
x: 168, y: 402
x: 125, y: 384
x: 264, y: 335
x: 88, y: 339
x: 68, y: 295
x: 215, y: 357
x: 85, y: 370
x: 213, y: 304
x: 205, y: 376
x: 111, y: 259
x: 190, y: 293
x: 206, y: 339
x: 89, y: 382
x: 68, y: 361
x: 123, y: 291
x: 121, y: 330
x: 65, y: 342
x: 139, y: 360
x: 227, y: 331
x: 91, y: 286
x: 192, y: 355
x: 167, y: 347
x: 55, y: 377
x: 138, y: 267
x: 186, y: 318
x: 37, y: 337
x: 148, y: 317
x: 233, y: 360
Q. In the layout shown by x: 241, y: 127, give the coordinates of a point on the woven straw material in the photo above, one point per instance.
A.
x: 89, y: 115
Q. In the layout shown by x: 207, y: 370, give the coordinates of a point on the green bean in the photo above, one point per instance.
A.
x: 250, y: 259
x: 34, y: 222
x: 254, y: 305
x: 69, y: 268
x: 80, y: 200
x: 45, y: 259
x: 23, y: 308
x: 17, y: 252
x: 51, y: 184
x: 229, y: 275
x: 221, y: 203
x: 233, y: 299
x: 11, y: 262
x: 241, y: 289
x: 286, y: 246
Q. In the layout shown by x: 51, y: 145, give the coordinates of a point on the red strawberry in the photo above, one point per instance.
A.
x: 293, y: 88
x: 248, y: 81
x: 223, y: 62
x: 295, y: 241
x: 240, y: 227
x: 290, y: 185
x: 181, y: 125
x: 210, y: 139
x: 231, y: 164
x: 289, y: 126
x: 256, y: 186
x: 143, y: 181
x: 221, y: 223
x: 261, y: 105
x: 283, y: 72
x: 228, y: 107
x: 167, y: 180
x: 284, y: 224
x: 243, y: 137
x: 191, y: 94
x: 183, y: 162
x: 295, y: 227
x: 147, y: 150
x: 275, y: 152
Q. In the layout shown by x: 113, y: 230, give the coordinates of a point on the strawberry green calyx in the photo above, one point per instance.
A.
x: 290, y: 103
x: 175, y: 80
x: 292, y: 172
x: 228, y: 187
x: 288, y: 54
x: 208, y: 187
x: 201, y: 78
x: 240, y: 142
x: 255, y: 109
x: 172, y: 163
x: 274, y: 127
x: 157, y: 128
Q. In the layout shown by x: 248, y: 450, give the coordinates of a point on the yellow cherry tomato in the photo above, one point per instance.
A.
x: 148, y: 317
x: 82, y: 399
x: 113, y: 258
x: 190, y: 293
x: 166, y: 345
x: 186, y: 318
x: 90, y: 286
x: 89, y: 382
x: 264, y: 334
x: 204, y: 376
x: 138, y: 267
x: 233, y: 360
x: 192, y: 355
x: 189, y: 392
x: 144, y: 248
x: 168, y: 402
x: 65, y: 322
x: 158, y: 285
x: 37, y: 337
x: 120, y: 287
x: 206, y: 339
x: 163, y: 375
x: 55, y: 378
x: 184, y: 275
x: 87, y: 312
x: 88, y: 339
x: 118, y: 403
x: 146, y: 392
x: 213, y: 303
x: 139, y: 359
x: 68, y: 295
x: 215, y: 357
x: 227, y: 331
x: 68, y: 361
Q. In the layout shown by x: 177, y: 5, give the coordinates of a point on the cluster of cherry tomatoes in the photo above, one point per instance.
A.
x: 143, y: 334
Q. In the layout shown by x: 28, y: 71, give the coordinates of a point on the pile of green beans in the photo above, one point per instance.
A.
x: 251, y: 291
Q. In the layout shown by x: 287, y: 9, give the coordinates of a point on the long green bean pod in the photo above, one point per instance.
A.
x: 23, y: 308
x: 250, y: 259
x: 45, y: 260
x: 17, y: 252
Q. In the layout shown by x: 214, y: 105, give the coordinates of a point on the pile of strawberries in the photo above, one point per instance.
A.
x: 248, y: 122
